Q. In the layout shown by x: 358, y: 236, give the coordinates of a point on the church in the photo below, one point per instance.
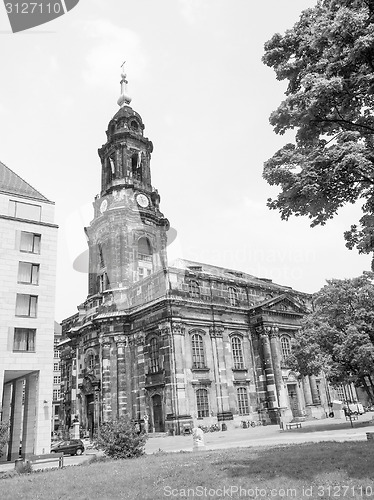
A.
x: 173, y: 344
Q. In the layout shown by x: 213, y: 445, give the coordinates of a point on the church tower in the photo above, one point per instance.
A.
x: 127, y: 237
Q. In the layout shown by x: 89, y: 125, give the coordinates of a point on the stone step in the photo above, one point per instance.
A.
x: 157, y: 434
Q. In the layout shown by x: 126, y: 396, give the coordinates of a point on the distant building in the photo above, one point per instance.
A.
x: 178, y: 344
x: 27, y: 296
x: 56, y: 398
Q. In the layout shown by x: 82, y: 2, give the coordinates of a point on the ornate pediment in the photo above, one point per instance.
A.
x: 284, y: 304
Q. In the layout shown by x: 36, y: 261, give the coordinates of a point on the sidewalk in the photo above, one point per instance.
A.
x: 311, y: 431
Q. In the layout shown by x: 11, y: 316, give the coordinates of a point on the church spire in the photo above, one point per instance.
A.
x: 124, y: 99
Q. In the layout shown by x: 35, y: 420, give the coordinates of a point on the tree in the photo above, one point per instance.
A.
x: 338, y: 335
x: 327, y: 58
x: 4, y: 436
x: 120, y: 439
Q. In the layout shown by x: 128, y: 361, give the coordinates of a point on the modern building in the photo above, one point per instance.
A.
x: 56, y: 395
x: 27, y: 297
x: 179, y: 344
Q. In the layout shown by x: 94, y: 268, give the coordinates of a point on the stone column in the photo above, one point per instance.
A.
x: 16, y: 420
x: 106, y: 389
x: 121, y: 375
x: 141, y: 408
x: 277, y: 359
x: 6, y: 406
x: 178, y: 332
x: 269, y: 369
x: 313, y: 387
x: 307, y: 391
x: 29, y: 416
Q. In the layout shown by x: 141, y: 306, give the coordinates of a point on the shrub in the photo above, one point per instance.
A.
x: 4, y: 434
x: 24, y: 468
x: 120, y: 439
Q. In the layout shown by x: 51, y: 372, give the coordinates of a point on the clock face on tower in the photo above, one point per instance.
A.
x: 103, y: 206
x: 142, y: 200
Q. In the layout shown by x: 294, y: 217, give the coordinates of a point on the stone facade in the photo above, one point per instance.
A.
x: 173, y: 345
x: 27, y: 292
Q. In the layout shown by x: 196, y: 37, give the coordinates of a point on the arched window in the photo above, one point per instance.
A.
x: 90, y: 361
x: 243, y: 405
x: 233, y: 296
x: 154, y: 355
x: 286, y: 346
x: 202, y: 403
x: 136, y: 166
x: 145, y: 258
x: 198, y: 356
x: 237, y: 352
x: 194, y: 289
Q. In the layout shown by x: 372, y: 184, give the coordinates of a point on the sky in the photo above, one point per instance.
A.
x: 196, y: 78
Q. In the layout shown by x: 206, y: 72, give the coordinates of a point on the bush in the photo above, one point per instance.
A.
x: 4, y: 435
x: 120, y: 439
x: 24, y: 468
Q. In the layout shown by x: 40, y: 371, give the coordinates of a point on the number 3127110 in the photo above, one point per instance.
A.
x: 33, y: 8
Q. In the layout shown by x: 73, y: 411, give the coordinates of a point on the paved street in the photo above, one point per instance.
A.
x: 311, y: 431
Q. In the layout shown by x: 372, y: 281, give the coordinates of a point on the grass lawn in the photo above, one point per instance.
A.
x: 315, y: 470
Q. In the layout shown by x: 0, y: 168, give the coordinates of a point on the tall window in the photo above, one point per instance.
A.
x: 26, y: 305
x: 28, y: 273
x: 56, y: 367
x: 194, y: 289
x: 57, y: 379
x: 56, y: 354
x: 56, y: 394
x: 237, y: 352
x: 91, y: 362
x: 24, y: 339
x: 30, y: 242
x: 145, y: 258
x: 243, y: 405
x: 198, y: 356
x: 233, y: 296
x: 103, y: 282
x: 154, y: 355
x: 24, y: 210
x: 286, y: 346
x: 202, y: 403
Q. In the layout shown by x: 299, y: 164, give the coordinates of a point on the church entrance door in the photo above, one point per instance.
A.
x: 158, y: 420
x: 294, y: 403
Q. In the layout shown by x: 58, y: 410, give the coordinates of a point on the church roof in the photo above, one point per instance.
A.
x: 12, y: 183
x: 224, y: 273
x: 127, y: 112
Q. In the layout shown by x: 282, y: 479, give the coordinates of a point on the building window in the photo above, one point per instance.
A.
x: 202, y: 403
x: 340, y: 393
x: 145, y: 258
x: 28, y: 273
x: 56, y: 379
x: 194, y: 289
x: 30, y: 242
x: 154, y: 355
x: 233, y: 296
x: 243, y: 405
x: 56, y: 353
x: 91, y: 362
x: 198, y: 356
x: 26, y: 305
x: 237, y: 352
x: 56, y: 394
x: 24, y: 210
x: 103, y: 282
x: 24, y: 339
x: 56, y: 367
x: 286, y: 346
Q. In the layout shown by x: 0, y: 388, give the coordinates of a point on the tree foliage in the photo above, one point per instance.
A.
x: 327, y: 58
x: 120, y: 439
x: 338, y: 335
x: 4, y: 436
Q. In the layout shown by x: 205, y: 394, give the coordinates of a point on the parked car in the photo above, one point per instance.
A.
x: 69, y: 447
x: 354, y: 408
